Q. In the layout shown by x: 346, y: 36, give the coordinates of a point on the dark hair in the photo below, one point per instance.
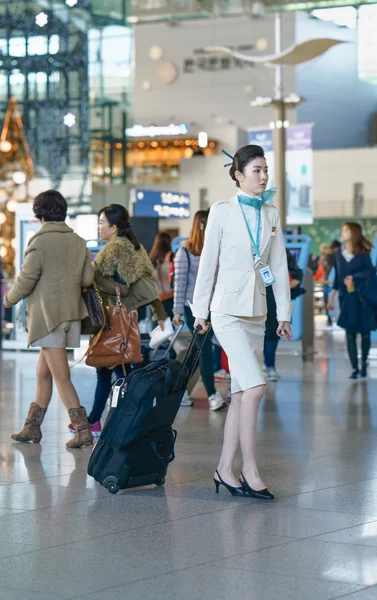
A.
x: 195, y: 242
x: 117, y: 215
x: 50, y: 206
x: 161, y: 247
x: 360, y: 244
x: 243, y: 157
x: 335, y: 245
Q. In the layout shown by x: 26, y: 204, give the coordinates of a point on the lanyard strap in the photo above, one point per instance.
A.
x: 254, y: 243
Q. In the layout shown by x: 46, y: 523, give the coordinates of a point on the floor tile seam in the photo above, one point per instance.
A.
x: 291, y: 542
x: 325, y: 488
x: 14, y: 512
x: 27, y: 551
x: 13, y: 589
x: 334, y: 487
x: 295, y: 576
x: 350, y: 594
x: 20, y: 510
x: 374, y: 517
x: 277, y: 573
x: 347, y: 544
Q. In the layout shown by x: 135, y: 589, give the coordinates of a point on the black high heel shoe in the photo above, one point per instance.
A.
x: 233, y: 490
x: 260, y: 495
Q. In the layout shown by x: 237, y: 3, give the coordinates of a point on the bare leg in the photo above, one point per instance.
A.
x: 250, y: 402
x: 44, y: 382
x: 231, y: 442
x: 57, y: 361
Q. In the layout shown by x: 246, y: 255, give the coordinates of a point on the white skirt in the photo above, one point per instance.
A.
x: 242, y: 340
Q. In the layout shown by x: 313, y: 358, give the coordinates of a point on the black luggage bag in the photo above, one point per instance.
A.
x: 137, y: 442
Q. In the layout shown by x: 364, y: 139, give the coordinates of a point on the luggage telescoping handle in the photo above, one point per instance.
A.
x: 172, y: 342
x: 192, y: 356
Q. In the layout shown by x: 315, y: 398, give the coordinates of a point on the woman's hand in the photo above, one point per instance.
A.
x: 161, y: 324
x: 284, y: 330
x: 330, y: 304
x: 177, y: 320
x: 294, y: 283
x: 348, y: 281
x: 203, y: 324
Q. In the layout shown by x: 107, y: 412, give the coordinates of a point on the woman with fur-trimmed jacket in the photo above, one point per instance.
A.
x: 123, y: 260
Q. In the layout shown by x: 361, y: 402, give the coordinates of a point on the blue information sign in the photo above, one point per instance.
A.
x: 163, y: 205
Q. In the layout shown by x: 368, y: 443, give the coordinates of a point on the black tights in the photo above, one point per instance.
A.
x: 352, y: 348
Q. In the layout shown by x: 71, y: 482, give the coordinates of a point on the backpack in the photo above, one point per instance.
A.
x: 172, y: 270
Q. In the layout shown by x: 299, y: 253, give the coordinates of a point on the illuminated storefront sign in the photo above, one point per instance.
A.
x: 163, y: 205
x: 154, y: 131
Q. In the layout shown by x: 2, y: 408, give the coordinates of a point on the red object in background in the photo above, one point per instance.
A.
x: 320, y: 275
x: 224, y: 361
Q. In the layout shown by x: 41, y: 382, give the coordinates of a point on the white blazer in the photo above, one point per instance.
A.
x: 227, y: 253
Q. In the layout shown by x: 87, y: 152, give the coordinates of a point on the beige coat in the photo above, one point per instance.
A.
x: 119, y: 261
x: 56, y: 266
x: 239, y: 289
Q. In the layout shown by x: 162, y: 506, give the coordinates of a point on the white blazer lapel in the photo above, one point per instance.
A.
x: 240, y: 226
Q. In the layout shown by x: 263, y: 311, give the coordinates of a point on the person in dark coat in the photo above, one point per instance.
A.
x: 353, y: 268
x: 271, y: 339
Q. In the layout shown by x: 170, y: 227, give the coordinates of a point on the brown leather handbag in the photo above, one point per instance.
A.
x: 118, y: 342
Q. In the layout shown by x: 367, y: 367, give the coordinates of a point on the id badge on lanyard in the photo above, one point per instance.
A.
x: 267, y: 276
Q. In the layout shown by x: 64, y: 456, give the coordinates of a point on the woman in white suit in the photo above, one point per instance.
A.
x: 244, y: 246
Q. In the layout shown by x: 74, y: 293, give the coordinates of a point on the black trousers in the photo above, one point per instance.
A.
x: 352, y: 348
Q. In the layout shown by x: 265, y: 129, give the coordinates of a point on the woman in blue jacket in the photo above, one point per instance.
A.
x: 353, y: 267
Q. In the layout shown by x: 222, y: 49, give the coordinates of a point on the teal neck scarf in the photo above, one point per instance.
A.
x: 258, y: 201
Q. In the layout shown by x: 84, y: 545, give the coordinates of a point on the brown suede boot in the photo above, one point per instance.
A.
x: 79, y: 421
x: 32, y: 428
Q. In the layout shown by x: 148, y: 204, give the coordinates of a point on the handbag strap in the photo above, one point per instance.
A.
x: 119, y: 298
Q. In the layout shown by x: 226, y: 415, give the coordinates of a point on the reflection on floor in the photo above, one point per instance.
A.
x: 64, y: 537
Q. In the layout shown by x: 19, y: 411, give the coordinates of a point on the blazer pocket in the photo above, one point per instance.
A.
x: 263, y: 290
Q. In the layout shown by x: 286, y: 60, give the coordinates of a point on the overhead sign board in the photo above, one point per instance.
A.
x: 161, y: 204
x: 157, y: 131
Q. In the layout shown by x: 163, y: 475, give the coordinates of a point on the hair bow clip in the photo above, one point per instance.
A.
x: 230, y: 156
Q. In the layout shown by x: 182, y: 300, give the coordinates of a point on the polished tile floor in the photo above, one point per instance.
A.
x: 64, y: 537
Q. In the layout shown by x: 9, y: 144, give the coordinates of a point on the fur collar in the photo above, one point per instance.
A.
x: 119, y: 256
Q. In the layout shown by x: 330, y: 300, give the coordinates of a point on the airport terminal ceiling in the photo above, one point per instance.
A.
x: 117, y: 12
x: 144, y: 11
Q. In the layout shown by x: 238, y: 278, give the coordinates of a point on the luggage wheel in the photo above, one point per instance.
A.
x: 111, y: 484
x: 160, y: 481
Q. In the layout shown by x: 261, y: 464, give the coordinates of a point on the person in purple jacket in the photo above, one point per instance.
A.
x: 186, y: 265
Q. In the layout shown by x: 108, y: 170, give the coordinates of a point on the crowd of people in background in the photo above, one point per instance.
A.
x: 165, y: 280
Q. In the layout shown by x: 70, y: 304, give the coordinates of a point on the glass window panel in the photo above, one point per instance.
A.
x: 37, y: 85
x: 37, y: 45
x: 54, y: 82
x: 3, y: 86
x: 3, y: 47
x: 54, y: 44
x: 17, y: 46
x: 17, y: 83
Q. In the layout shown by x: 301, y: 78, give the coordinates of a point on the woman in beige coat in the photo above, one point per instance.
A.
x: 56, y: 267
